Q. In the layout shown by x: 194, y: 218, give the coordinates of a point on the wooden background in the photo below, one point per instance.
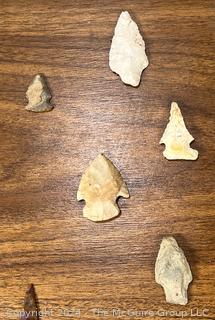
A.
x: 44, y: 239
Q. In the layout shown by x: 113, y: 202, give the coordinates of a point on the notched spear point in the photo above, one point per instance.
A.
x: 38, y: 95
x: 177, y: 138
x: 31, y: 310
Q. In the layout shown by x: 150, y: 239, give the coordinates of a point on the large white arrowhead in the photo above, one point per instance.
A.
x: 177, y: 138
x: 127, y: 55
x: 100, y: 186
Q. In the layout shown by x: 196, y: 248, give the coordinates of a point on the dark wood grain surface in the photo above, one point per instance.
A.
x: 73, y: 262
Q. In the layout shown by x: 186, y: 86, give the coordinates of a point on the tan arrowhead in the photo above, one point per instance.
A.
x: 38, y: 95
x: 177, y: 138
x: 100, y: 186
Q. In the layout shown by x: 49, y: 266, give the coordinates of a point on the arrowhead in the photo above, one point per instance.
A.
x: 38, y: 95
x: 127, y: 54
x: 31, y: 309
x: 100, y: 186
x: 172, y: 271
x: 177, y: 138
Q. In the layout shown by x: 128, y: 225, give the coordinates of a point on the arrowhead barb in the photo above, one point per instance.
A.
x: 100, y: 186
x: 177, y: 138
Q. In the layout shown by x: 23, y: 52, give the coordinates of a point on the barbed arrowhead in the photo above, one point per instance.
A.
x: 100, y: 186
x: 177, y: 138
